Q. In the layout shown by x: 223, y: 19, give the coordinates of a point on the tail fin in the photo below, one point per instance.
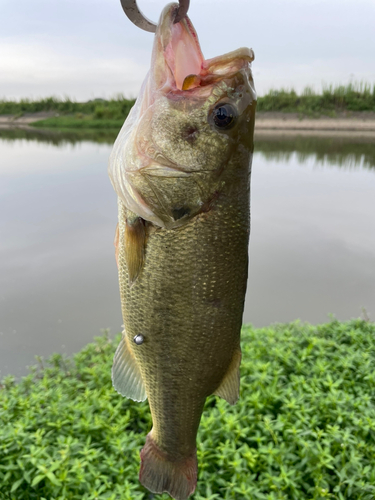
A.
x: 158, y: 474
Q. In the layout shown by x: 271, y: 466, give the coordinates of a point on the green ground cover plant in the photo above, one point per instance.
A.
x: 304, y: 427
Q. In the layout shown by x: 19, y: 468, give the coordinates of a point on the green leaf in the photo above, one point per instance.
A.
x: 15, y: 485
x: 37, y: 479
x: 51, y: 476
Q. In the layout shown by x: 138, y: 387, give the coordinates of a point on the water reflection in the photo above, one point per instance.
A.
x: 59, y: 137
x: 312, y: 248
x: 348, y: 150
x: 57, y: 271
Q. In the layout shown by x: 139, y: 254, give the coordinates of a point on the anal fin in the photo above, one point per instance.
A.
x: 134, y: 246
x: 229, y: 389
x: 126, y: 375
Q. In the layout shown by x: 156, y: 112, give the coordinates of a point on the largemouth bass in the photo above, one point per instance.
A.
x: 181, y: 169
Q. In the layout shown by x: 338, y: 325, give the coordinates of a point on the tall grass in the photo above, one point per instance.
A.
x: 351, y: 97
x: 116, y: 108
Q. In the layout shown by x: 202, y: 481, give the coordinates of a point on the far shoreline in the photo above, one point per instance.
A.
x: 341, y: 123
x: 362, y: 123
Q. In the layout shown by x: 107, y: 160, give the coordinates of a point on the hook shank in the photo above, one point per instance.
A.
x: 182, y: 10
x: 133, y: 12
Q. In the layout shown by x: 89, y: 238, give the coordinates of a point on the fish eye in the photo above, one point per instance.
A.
x: 224, y: 115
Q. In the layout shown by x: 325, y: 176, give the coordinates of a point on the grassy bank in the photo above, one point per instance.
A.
x: 80, y: 122
x: 101, y: 113
x: 332, y: 100
x: 304, y: 427
x: 101, y: 109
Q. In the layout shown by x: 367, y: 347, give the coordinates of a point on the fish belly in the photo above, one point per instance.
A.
x: 187, y: 303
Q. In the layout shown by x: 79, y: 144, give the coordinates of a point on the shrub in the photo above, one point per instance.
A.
x: 304, y: 427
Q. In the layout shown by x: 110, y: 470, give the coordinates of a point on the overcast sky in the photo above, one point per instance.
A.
x: 88, y: 48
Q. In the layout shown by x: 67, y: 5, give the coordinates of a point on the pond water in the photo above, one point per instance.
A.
x: 312, y: 244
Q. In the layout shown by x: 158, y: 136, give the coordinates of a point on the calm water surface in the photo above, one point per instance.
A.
x: 312, y: 245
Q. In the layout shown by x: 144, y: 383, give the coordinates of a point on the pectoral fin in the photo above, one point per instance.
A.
x: 135, y: 246
x: 126, y: 376
x: 229, y: 389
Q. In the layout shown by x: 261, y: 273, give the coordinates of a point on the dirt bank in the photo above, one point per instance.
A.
x: 10, y: 121
x: 359, y: 122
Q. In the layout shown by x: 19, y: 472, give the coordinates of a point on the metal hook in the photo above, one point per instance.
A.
x: 139, y: 19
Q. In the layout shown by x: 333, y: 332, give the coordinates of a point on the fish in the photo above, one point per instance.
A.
x: 180, y: 167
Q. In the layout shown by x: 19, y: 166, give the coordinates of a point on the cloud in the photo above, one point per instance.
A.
x: 35, y: 69
x: 86, y: 49
x: 314, y: 73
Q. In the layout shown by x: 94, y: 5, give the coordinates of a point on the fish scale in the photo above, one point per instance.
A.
x: 188, y: 300
x: 181, y: 168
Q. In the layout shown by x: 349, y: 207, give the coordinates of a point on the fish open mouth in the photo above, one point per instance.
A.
x: 183, y: 53
x: 177, y: 53
x: 178, y: 60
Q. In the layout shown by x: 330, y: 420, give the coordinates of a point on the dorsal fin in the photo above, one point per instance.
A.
x: 126, y: 376
x: 134, y: 246
x: 229, y: 389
